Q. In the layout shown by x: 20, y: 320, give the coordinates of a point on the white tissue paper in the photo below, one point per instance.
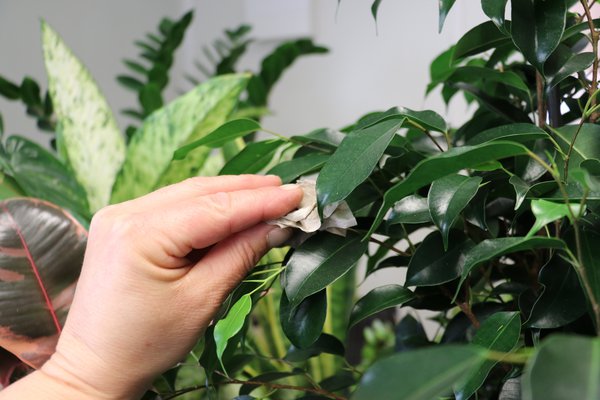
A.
x: 337, y: 218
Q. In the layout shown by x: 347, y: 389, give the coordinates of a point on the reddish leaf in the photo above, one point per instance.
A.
x: 41, y: 252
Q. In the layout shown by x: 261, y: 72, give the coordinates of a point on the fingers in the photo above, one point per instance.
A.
x: 204, y: 221
x: 227, y: 263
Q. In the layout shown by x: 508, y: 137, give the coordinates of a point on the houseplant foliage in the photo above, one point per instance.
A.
x: 495, y: 221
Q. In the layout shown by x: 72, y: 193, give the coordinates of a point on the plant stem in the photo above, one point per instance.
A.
x: 541, y: 105
x: 594, y: 36
x: 426, y: 132
x: 571, y: 145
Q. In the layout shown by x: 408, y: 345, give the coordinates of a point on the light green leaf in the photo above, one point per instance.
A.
x: 379, y: 299
x: 149, y: 164
x: 547, y: 211
x: 564, y: 367
x: 223, y: 134
x: 88, y: 133
x: 422, y: 374
x: 447, y: 197
x: 500, y: 332
x: 537, y: 28
x: 229, y: 326
x: 443, y: 164
x: 362, y: 149
x: 521, y: 189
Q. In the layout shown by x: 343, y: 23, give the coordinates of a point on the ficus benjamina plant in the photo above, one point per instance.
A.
x: 493, y: 225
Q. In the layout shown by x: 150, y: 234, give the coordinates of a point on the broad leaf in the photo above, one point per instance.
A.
x: 562, y: 300
x: 445, y: 6
x: 88, y: 132
x: 495, y: 10
x: 252, y: 159
x: 479, y: 39
x: 410, y: 210
x: 432, y: 264
x: 500, y: 332
x: 223, y: 134
x: 447, y: 197
x: 586, y: 146
x: 443, y: 164
x: 519, y: 132
x: 40, y: 174
x: 578, y: 62
x: 590, y: 243
x: 303, y: 325
x: 546, y: 212
x: 422, y: 374
x: 325, y: 136
x: 289, y: 171
x: 375, y: 9
x: 42, y: 251
x: 427, y: 119
x: 229, y: 326
x: 493, y: 248
x: 149, y: 161
x: 564, y: 367
x: 318, y: 262
x: 325, y: 344
x: 362, y: 149
x: 377, y: 300
x: 471, y: 74
x: 537, y: 28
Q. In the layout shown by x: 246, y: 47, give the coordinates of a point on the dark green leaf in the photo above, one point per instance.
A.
x: 325, y: 344
x: 42, y: 251
x: 519, y: 132
x: 362, y: 149
x: 377, y: 300
x: 289, y: 171
x: 150, y: 98
x: 471, y: 74
x: 9, y: 89
x: 375, y: 8
x: 252, y: 159
x: 578, y: 62
x: 136, y: 67
x: 420, y: 374
x: 590, y: 243
x: 338, y: 381
x: 479, y: 39
x: 329, y: 137
x: 229, y: 326
x: 493, y: 248
x: 410, y: 210
x: 445, y: 6
x: 447, y: 197
x: 30, y: 92
x: 223, y: 134
x: 433, y: 265
x: 537, y: 28
x: 440, y: 165
x: 318, y: 262
x: 562, y: 300
x: 586, y: 146
x: 498, y: 105
x: 426, y: 119
x: 495, y: 10
x: 130, y: 82
x: 565, y: 367
x: 410, y: 334
x: 521, y: 189
x: 500, y: 332
x: 303, y: 325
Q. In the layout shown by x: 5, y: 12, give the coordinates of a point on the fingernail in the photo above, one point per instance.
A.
x: 278, y: 236
x: 289, y: 186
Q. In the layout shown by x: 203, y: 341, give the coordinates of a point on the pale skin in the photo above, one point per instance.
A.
x: 156, y: 271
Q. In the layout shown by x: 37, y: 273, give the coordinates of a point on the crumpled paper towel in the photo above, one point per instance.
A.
x: 337, y: 218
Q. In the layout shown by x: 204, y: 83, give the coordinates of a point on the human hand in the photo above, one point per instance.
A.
x: 143, y: 297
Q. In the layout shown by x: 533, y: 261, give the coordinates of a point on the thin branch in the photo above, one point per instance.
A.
x: 541, y: 104
x: 426, y: 132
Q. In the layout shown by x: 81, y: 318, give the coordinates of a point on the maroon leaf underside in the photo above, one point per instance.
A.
x: 41, y: 252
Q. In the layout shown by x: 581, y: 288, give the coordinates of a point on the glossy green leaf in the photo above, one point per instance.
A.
x: 42, y: 251
x: 588, y: 174
x: 521, y: 188
x: 422, y: 374
x: 428, y: 119
x: 375, y: 8
x: 377, y: 300
x: 578, y: 62
x: 303, y: 325
x: 447, y: 197
x: 500, y: 332
x: 410, y: 210
x: 290, y: 170
x: 325, y: 344
x: 498, y: 105
x: 518, y: 132
x: 590, y: 243
x: 471, y: 74
x: 89, y: 136
x: 233, y: 322
x: 149, y: 161
x: 362, y: 149
x: 40, y: 174
x: 223, y: 134
x: 495, y: 10
x: 445, y: 6
x: 479, y: 39
x: 586, y: 146
x: 410, y: 334
x: 537, y: 28
x: 564, y: 367
x: 493, y: 248
x: 252, y: 159
x: 546, y: 212
x: 319, y: 261
x: 326, y: 136
x: 432, y: 264
x: 442, y: 164
x: 562, y: 300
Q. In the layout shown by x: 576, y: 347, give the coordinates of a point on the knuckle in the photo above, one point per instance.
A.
x: 219, y: 203
x: 247, y: 254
